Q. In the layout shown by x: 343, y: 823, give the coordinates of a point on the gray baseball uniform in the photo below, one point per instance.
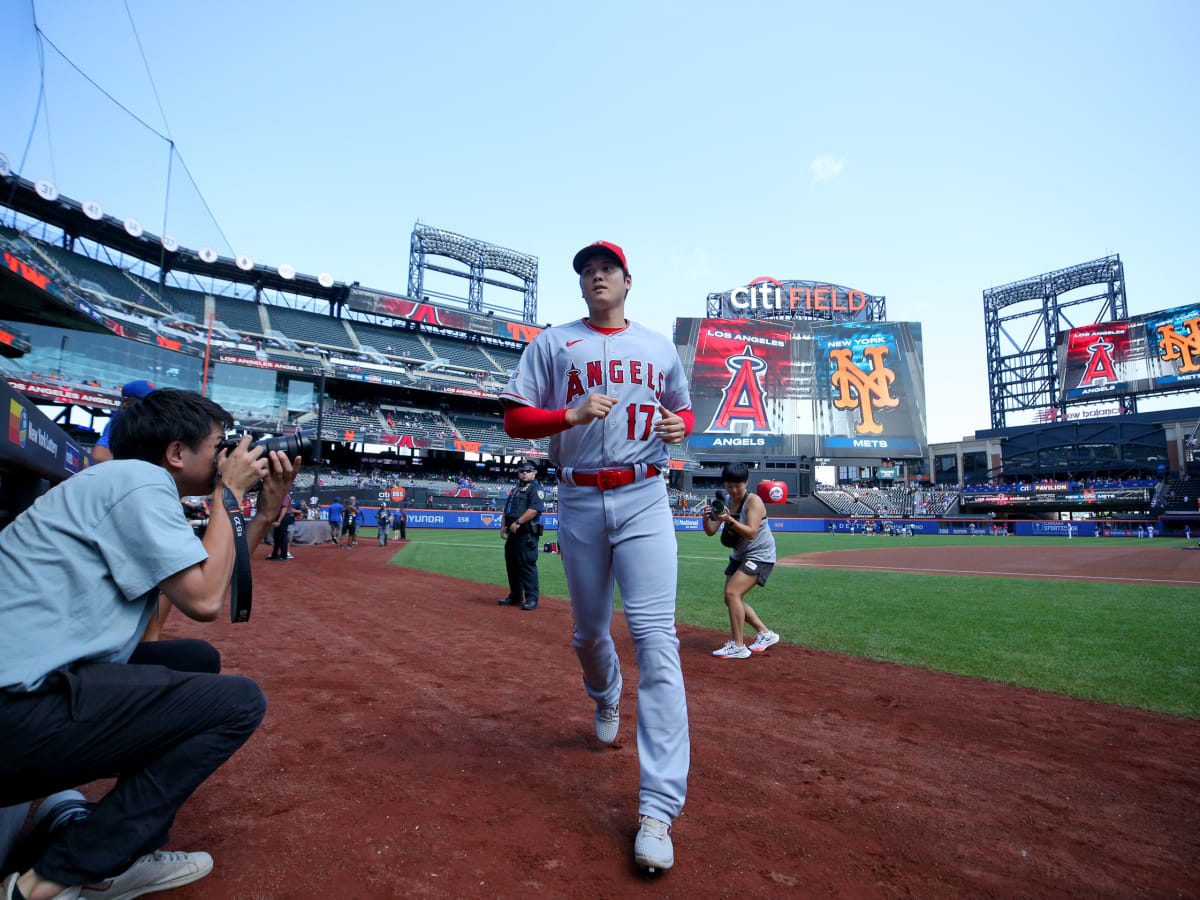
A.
x: 615, y: 526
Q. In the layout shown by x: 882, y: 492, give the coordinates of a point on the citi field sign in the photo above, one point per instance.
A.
x: 769, y: 297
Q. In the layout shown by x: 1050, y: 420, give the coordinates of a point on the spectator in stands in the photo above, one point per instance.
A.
x: 89, y: 701
x: 745, y: 529
x: 130, y: 394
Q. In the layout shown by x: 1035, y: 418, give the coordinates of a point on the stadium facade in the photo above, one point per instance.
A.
x: 805, y: 380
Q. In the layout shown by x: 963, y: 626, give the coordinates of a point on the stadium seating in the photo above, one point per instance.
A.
x: 308, y: 328
x: 1180, y: 495
x: 402, y: 343
x: 240, y: 315
x: 459, y: 354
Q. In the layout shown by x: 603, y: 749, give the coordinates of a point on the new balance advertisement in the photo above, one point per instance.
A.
x: 1153, y: 352
x: 799, y: 387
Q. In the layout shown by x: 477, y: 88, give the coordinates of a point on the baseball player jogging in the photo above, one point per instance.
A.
x: 611, y: 395
x: 522, y: 528
x: 744, y: 527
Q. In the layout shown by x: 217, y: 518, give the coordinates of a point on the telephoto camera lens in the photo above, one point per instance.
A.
x: 298, y: 443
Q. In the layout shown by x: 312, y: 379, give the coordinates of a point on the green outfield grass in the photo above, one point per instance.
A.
x: 1136, y: 644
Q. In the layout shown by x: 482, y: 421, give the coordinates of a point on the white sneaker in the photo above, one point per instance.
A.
x: 652, y: 848
x: 157, y: 871
x: 764, y: 640
x: 732, y: 651
x: 608, y: 720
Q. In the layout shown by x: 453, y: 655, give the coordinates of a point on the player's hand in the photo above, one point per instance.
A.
x: 670, y: 427
x: 240, y: 469
x: 594, y: 406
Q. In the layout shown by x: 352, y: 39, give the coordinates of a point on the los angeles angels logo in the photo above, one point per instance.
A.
x: 1100, y: 364
x: 743, y: 399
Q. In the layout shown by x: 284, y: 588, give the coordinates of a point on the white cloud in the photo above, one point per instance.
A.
x: 826, y: 168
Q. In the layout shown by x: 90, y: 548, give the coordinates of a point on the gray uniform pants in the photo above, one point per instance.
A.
x: 626, y: 536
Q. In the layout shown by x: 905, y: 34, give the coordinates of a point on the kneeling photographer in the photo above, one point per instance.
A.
x: 745, y: 530
x: 80, y: 697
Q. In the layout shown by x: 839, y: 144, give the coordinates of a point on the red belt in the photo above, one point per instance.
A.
x: 611, y: 478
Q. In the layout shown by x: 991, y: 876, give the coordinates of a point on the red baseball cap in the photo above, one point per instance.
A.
x: 606, y: 247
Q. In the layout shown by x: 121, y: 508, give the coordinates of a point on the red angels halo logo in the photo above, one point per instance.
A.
x: 743, y: 398
x: 1100, y: 364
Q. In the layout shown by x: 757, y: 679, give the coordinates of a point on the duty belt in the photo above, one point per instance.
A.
x: 606, y: 479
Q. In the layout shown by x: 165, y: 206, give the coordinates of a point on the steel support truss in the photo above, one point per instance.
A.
x: 1022, y: 321
x: 479, y: 257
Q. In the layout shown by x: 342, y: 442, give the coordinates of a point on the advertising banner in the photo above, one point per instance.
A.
x: 66, y: 395
x: 1153, y: 352
x: 421, y: 316
x: 33, y: 443
x: 804, y: 387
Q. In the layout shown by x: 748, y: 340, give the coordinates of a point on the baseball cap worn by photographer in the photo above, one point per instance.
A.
x: 606, y: 247
x: 138, y: 390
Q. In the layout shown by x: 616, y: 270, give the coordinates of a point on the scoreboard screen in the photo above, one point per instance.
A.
x: 1154, y: 352
x: 801, y: 387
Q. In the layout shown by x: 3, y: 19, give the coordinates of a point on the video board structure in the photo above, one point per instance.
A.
x: 479, y: 257
x: 1023, y: 362
x: 1155, y: 353
x: 805, y: 388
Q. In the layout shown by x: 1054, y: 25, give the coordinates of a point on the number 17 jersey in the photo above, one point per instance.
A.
x: 639, y: 367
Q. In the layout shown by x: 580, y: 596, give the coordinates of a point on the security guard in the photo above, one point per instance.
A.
x: 522, y: 526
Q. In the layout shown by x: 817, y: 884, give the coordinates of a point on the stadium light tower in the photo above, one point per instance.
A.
x: 1023, y: 371
x: 479, y: 257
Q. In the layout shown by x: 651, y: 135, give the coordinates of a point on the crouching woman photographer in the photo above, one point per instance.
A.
x: 744, y: 529
x: 80, y: 698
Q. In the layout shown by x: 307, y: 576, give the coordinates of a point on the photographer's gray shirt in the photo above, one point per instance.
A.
x: 80, y: 569
x: 760, y: 548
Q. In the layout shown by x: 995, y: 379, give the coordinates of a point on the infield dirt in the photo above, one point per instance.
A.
x: 423, y: 741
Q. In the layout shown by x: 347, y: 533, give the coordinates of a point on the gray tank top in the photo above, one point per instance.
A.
x: 760, y: 548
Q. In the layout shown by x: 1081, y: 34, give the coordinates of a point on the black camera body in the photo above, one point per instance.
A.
x: 717, y: 506
x: 299, y: 443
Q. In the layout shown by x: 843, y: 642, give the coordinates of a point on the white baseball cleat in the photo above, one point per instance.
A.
x: 732, y: 651
x: 652, y: 849
x: 608, y: 720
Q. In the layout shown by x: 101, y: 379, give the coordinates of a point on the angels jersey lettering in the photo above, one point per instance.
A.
x: 639, y: 367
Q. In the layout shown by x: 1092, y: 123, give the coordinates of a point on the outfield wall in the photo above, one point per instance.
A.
x: 466, y: 519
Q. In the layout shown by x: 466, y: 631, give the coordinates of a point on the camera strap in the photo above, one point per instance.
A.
x: 240, y: 589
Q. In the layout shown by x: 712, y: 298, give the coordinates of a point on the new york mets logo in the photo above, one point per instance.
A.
x: 1182, y: 347
x: 1100, y: 364
x: 867, y: 391
x: 743, y: 398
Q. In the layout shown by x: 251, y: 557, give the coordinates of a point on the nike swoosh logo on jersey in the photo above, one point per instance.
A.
x: 576, y: 341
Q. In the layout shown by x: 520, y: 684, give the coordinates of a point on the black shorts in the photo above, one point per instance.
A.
x: 751, y: 567
x: 352, y: 528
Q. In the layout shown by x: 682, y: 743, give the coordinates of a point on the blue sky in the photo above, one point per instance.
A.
x: 921, y: 152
